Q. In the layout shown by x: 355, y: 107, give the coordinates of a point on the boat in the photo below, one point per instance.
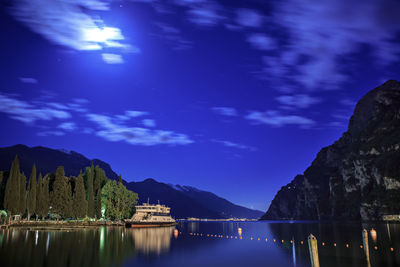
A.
x: 150, y: 215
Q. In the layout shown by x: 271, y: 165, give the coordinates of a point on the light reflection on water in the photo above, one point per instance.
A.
x: 202, y: 244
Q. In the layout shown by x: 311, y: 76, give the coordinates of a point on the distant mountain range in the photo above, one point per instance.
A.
x: 185, y: 201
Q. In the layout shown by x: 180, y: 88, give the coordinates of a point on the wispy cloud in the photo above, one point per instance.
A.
x: 136, y: 113
x: 261, y: 41
x: 234, y: 145
x: 29, y: 112
x: 298, y: 100
x: 276, y: 119
x: 348, y: 102
x: 115, y: 132
x: 226, y: 111
x: 203, y: 12
x: 69, y: 23
x: 28, y: 80
x: 249, y: 18
x: 112, y: 58
x: 68, y: 126
x: 49, y: 133
x: 149, y: 123
x: 173, y: 36
x: 337, y: 29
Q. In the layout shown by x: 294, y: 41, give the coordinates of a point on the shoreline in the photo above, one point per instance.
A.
x: 71, y: 225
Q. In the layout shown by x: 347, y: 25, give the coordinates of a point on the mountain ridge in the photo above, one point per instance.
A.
x: 357, y: 177
x: 180, y: 198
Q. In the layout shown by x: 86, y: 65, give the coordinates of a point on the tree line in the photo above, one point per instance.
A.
x: 90, y: 195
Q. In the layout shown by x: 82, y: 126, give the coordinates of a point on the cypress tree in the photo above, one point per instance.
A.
x: 32, y: 193
x: 68, y: 203
x: 45, y: 199
x: 22, y: 195
x: 39, y: 196
x: 90, y: 192
x: 97, y: 192
x: 98, y: 204
x: 11, y: 195
x: 59, y: 195
x: 80, y: 204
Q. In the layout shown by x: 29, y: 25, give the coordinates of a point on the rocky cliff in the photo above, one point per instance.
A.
x: 357, y: 177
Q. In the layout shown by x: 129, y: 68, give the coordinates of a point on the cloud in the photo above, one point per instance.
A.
x: 297, y: 101
x: 49, y: 133
x: 70, y: 23
x: 261, y: 41
x: 115, y: 132
x: 57, y: 106
x: 112, y: 58
x: 274, y: 118
x: 226, y: 111
x: 173, y: 36
x: 348, y: 102
x: 205, y: 14
x: 249, y: 18
x: 234, y: 145
x: 28, y: 112
x: 68, y: 126
x: 135, y: 113
x: 81, y: 100
x: 323, y: 32
x: 28, y: 80
x: 149, y: 123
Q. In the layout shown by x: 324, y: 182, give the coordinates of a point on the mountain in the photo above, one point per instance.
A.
x: 221, y: 205
x: 47, y: 160
x: 357, y: 177
x: 185, y: 201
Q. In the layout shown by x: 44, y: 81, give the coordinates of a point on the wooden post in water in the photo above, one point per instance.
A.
x: 366, y: 247
x: 313, y: 248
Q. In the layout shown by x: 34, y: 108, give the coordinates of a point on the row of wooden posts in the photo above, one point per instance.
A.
x: 313, y: 248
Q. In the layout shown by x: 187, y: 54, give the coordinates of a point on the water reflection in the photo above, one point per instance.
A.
x: 89, y: 247
x: 151, y: 240
x: 248, y: 244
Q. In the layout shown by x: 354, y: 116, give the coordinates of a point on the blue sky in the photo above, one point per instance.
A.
x: 234, y: 98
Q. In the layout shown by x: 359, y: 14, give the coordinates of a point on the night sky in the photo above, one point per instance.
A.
x: 233, y: 97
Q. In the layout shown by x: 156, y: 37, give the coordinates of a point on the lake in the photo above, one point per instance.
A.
x: 203, y: 244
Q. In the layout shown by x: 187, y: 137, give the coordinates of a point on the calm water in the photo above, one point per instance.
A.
x: 190, y: 245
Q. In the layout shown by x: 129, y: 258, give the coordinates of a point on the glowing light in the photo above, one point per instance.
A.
x: 98, y: 35
x: 176, y: 234
x: 240, y: 231
x: 373, y: 235
x: 347, y: 245
x: 102, y: 239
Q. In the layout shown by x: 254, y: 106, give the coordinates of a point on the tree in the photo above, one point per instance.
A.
x: 80, y: 204
x: 90, y: 193
x: 59, y: 196
x: 1, y: 190
x: 22, y: 194
x: 68, y: 213
x: 99, y: 178
x: 11, y: 195
x: 32, y: 186
x: 39, y: 196
x: 45, y: 199
x: 118, y: 201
